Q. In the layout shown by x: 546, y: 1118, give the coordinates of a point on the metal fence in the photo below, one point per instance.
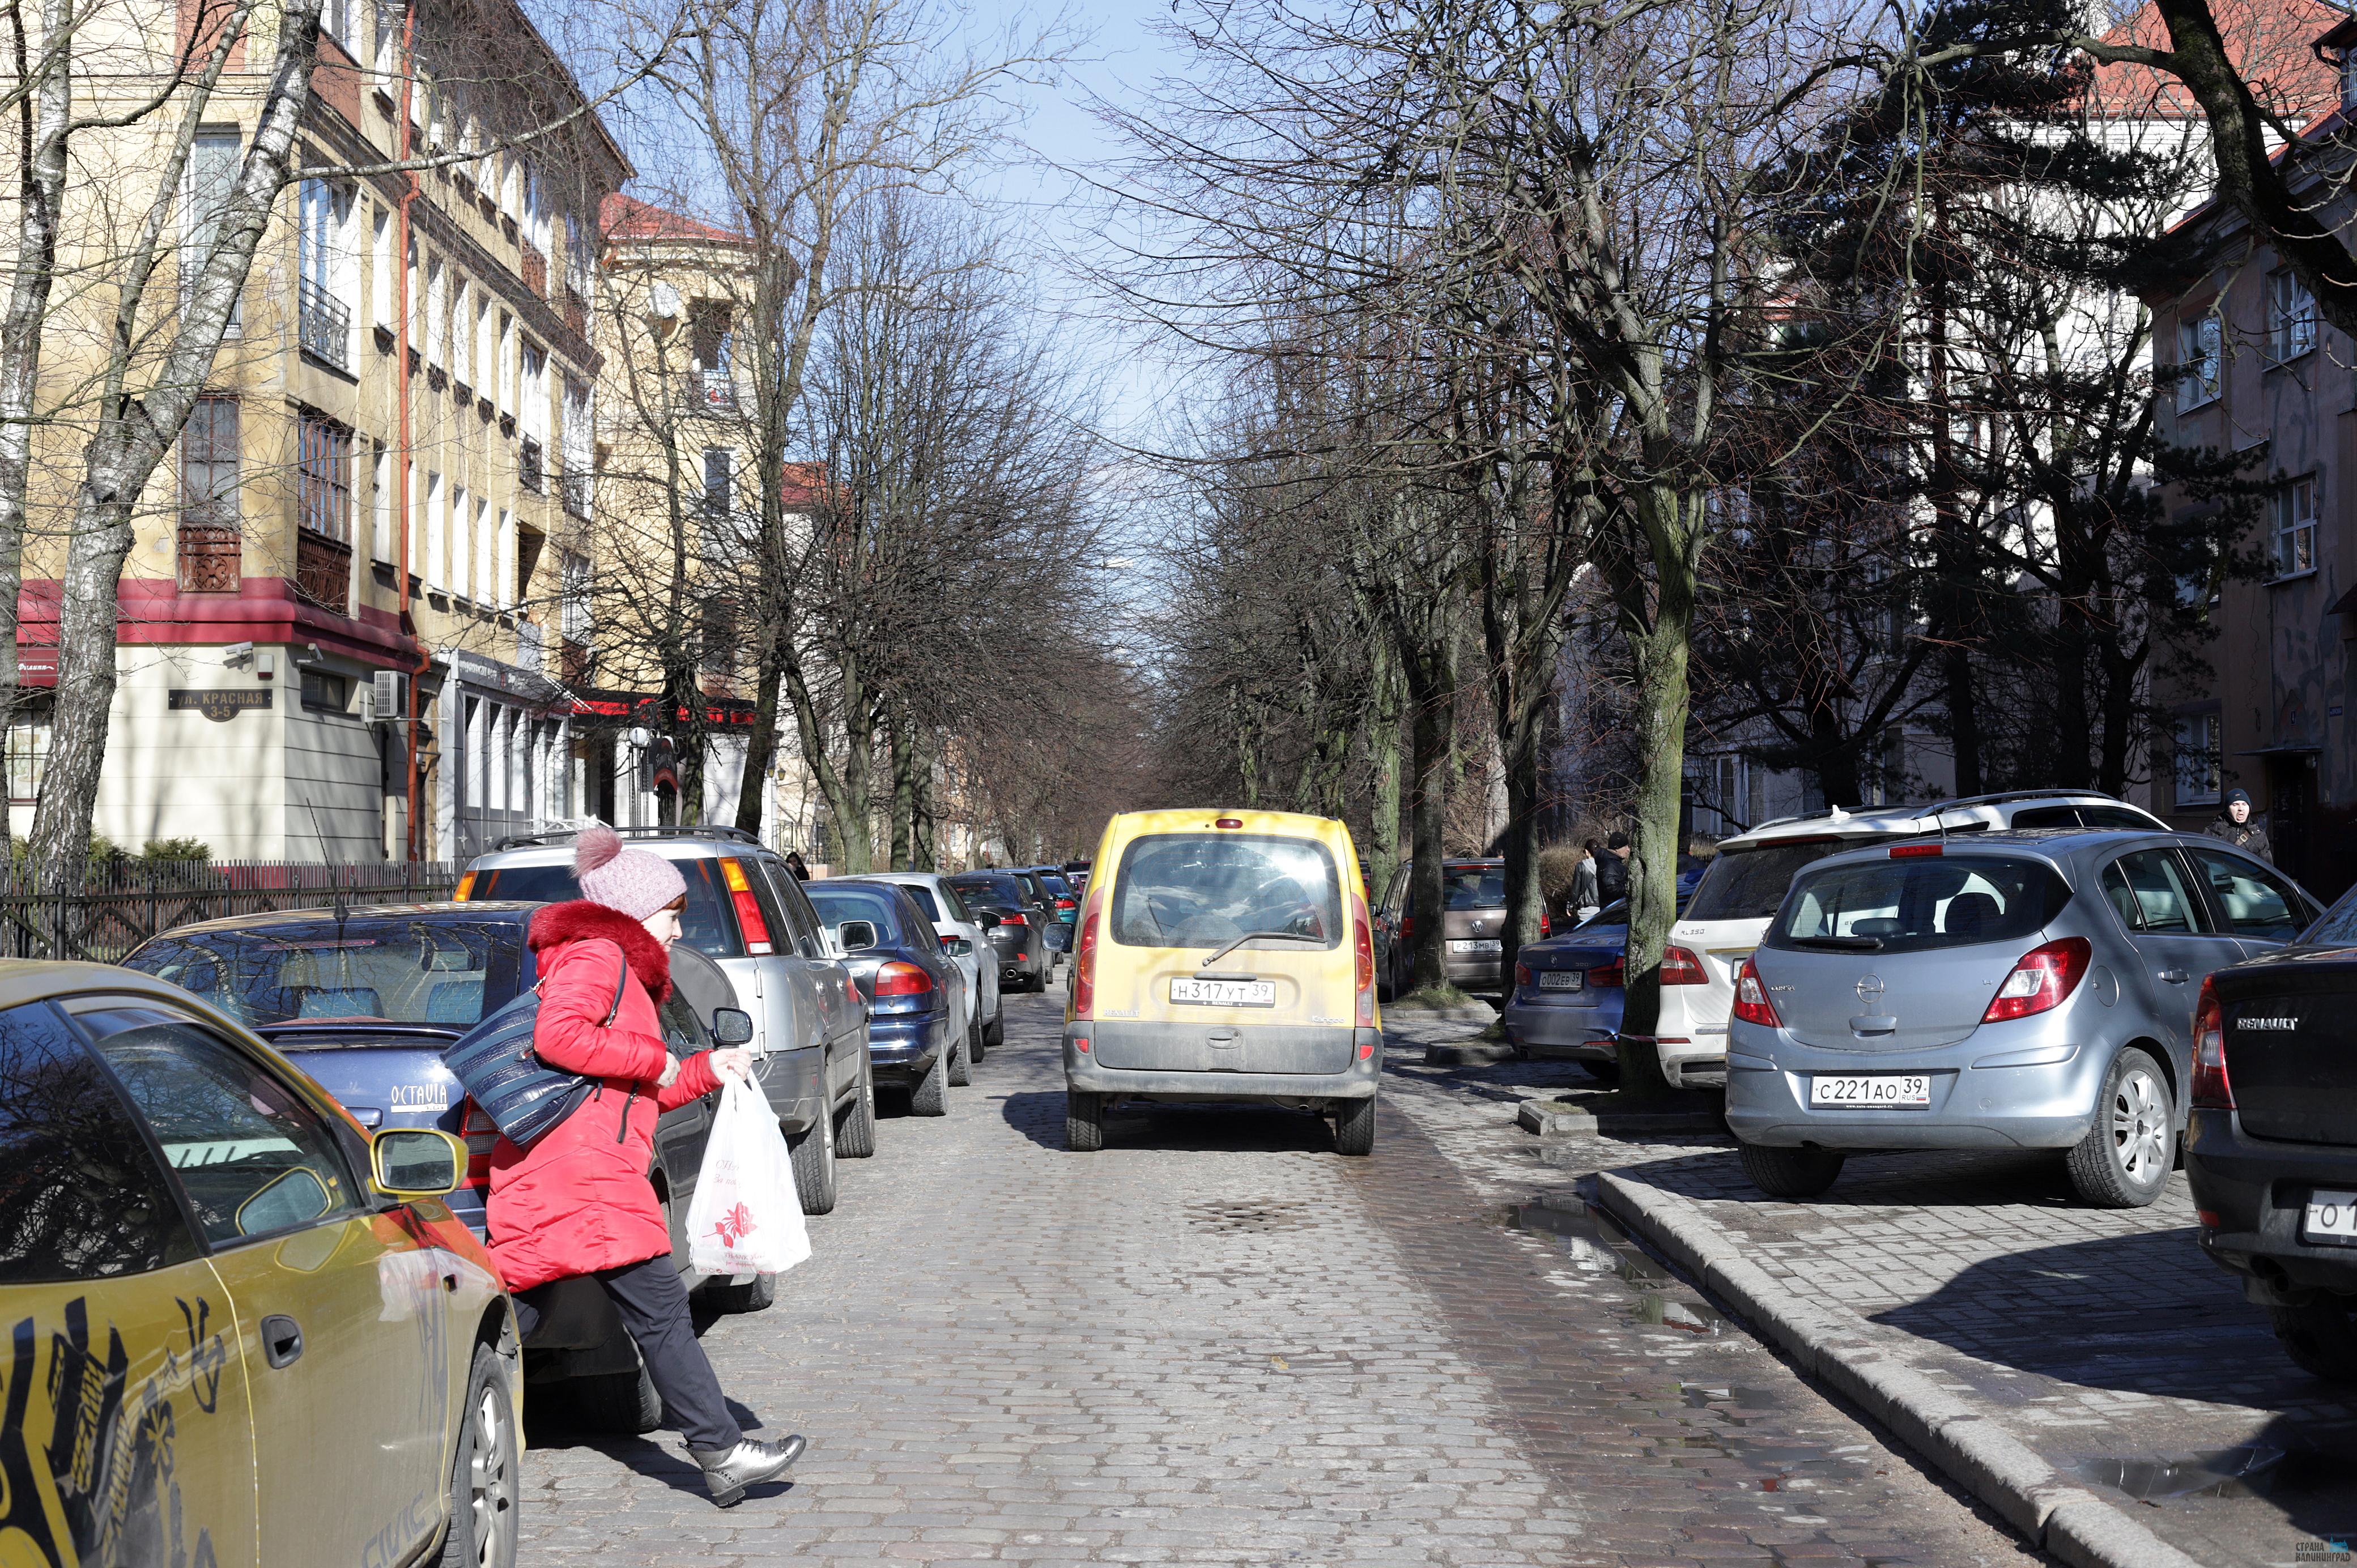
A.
x: 121, y: 904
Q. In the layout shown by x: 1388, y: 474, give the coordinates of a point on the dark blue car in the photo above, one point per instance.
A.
x: 917, y: 1011
x: 1569, y: 991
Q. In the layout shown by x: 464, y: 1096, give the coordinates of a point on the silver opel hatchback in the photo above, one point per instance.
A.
x: 2018, y: 990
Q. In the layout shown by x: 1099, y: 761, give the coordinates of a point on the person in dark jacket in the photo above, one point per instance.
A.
x: 577, y: 1202
x: 795, y: 865
x: 1612, y: 870
x: 2237, y: 827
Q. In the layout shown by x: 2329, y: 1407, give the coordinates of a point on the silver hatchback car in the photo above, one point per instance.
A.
x: 2017, y: 990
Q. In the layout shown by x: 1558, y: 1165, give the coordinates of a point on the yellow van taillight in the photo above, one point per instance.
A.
x: 1366, y: 956
x: 1084, y: 962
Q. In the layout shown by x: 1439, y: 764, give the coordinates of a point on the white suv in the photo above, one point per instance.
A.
x: 1739, y: 893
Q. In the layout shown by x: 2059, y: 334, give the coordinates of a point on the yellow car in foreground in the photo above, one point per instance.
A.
x: 238, y: 1329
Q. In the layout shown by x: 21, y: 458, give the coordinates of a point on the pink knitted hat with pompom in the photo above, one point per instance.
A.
x: 630, y: 880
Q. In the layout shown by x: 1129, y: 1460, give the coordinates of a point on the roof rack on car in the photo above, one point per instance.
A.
x: 567, y: 835
x: 2002, y: 796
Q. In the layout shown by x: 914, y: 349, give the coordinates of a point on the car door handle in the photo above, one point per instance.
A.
x: 282, y: 1339
x: 2175, y: 976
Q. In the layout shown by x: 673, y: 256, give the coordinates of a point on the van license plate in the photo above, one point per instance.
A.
x: 2331, y: 1217
x: 1224, y: 993
x: 1561, y: 978
x: 1870, y: 1092
x: 1479, y: 947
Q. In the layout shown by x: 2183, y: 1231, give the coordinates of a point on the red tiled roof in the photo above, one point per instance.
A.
x: 625, y: 218
x: 802, y: 484
x: 2271, y: 42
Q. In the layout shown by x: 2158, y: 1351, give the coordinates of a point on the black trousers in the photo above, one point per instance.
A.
x: 653, y: 1307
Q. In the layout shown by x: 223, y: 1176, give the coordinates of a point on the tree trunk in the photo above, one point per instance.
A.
x: 1383, y: 762
x: 1432, y: 697
x: 761, y: 746
x: 903, y: 745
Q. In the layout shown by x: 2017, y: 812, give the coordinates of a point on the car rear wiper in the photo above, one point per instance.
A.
x: 1260, y: 937
x: 1839, y: 944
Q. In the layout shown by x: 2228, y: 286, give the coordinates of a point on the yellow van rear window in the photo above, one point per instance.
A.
x: 1205, y: 890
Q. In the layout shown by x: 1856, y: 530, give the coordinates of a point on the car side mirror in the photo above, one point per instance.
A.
x: 987, y: 920
x: 956, y: 946
x: 856, y: 935
x: 732, y: 1026
x: 415, y: 1161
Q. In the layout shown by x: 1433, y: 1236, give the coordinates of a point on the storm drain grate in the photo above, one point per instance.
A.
x: 1267, y: 1214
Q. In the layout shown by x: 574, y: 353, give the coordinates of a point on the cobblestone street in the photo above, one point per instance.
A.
x: 1219, y: 1342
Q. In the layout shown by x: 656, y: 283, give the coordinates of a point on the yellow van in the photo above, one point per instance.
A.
x: 1224, y: 955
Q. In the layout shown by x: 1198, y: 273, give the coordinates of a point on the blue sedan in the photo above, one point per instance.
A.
x: 1569, y: 991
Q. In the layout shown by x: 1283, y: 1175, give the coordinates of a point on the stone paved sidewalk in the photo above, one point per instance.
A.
x: 2102, y: 1338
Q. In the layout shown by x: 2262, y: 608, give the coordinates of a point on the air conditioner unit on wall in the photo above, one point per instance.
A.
x: 388, y: 697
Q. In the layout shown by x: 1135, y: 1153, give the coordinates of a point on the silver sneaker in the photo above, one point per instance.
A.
x: 728, y: 1471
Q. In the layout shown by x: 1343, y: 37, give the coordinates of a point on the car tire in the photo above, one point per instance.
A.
x: 1084, y: 1122
x: 962, y: 1059
x: 2124, y: 1160
x: 757, y: 1294
x: 486, y: 1472
x: 812, y: 1155
x: 1354, y: 1126
x: 1603, y: 1072
x: 2320, y: 1337
x: 995, y: 1036
x: 855, y: 1135
x: 623, y: 1402
x: 1791, y: 1173
x: 931, y: 1095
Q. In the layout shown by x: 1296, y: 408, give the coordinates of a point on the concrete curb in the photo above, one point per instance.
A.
x: 1462, y: 1013
x: 1562, y: 1119
x: 1869, y: 1364
x: 1468, y: 1053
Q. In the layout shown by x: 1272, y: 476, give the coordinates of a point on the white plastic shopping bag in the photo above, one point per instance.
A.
x: 745, y: 1219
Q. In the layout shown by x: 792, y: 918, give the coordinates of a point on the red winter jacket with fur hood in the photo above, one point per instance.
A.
x: 579, y: 1200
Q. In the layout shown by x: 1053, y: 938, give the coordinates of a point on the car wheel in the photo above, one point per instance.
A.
x: 1791, y: 1173
x: 1603, y: 1072
x: 1084, y: 1122
x: 994, y: 1036
x: 2124, y: 1160
x: 962, y: 1059
x: 1354, y: 1126
x: 854, y: 1138
x: 812, y: 1155
x: 617, y: 1401
x: 757, y: 1294
x: 931, y: 1095
x: 485, y: 1476
x: 2321, y: 1337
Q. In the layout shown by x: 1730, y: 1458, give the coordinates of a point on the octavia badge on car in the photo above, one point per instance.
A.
x: 2267, y: 1023
x: 1871, y: 989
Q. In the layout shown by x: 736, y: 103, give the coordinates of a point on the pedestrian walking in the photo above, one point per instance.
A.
x: 579, y: 1201
x: 2236, y: 826
x: 795, y: 863
x: 1585, y: 899
x: 1612, y: 869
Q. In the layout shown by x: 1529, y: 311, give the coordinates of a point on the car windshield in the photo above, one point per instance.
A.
x: 450, y: 970
x: 835, y: 905
x: 1204, y: 890
x: 1919, y: 903
x: 1474, y: 887
x: 1056, y: 885
x: 1749, y: 883
x: 704, y: 924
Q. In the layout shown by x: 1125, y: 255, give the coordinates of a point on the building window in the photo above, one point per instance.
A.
x: 28, y: 757
x: 2199, y: 357
x: 719, y: 464
x: 211, y: 180
x: 712, y: 348
x: 434, y: 531
x: 2296, y: 528
x: 208, y: 555
x: 437, y: 312
x: 381, y: 267
x: 324, y: 478
x: 580, y: 446
x: 380, y: 488
x: 326, y: 320
x: 2291, y: 318
x: 460, y: 583
x: 326, y: 693
x: 2197, y: 759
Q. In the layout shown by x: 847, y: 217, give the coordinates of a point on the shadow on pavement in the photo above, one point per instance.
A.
x: 1241, y: 1127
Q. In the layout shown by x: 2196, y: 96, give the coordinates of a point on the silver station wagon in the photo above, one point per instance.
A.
x: 2023, y: 990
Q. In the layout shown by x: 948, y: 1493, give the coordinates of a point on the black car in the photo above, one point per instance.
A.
x: 918, y: 1031
x: 1016, y: 925
x: 367, y: 1000
x: 2271, y: 1139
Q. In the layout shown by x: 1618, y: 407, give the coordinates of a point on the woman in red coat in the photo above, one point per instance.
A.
x: 579, y: 1201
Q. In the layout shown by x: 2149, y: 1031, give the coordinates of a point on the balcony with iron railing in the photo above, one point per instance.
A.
x: 323, y: 571
x: 325, y: 324
x: 574, y: 488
